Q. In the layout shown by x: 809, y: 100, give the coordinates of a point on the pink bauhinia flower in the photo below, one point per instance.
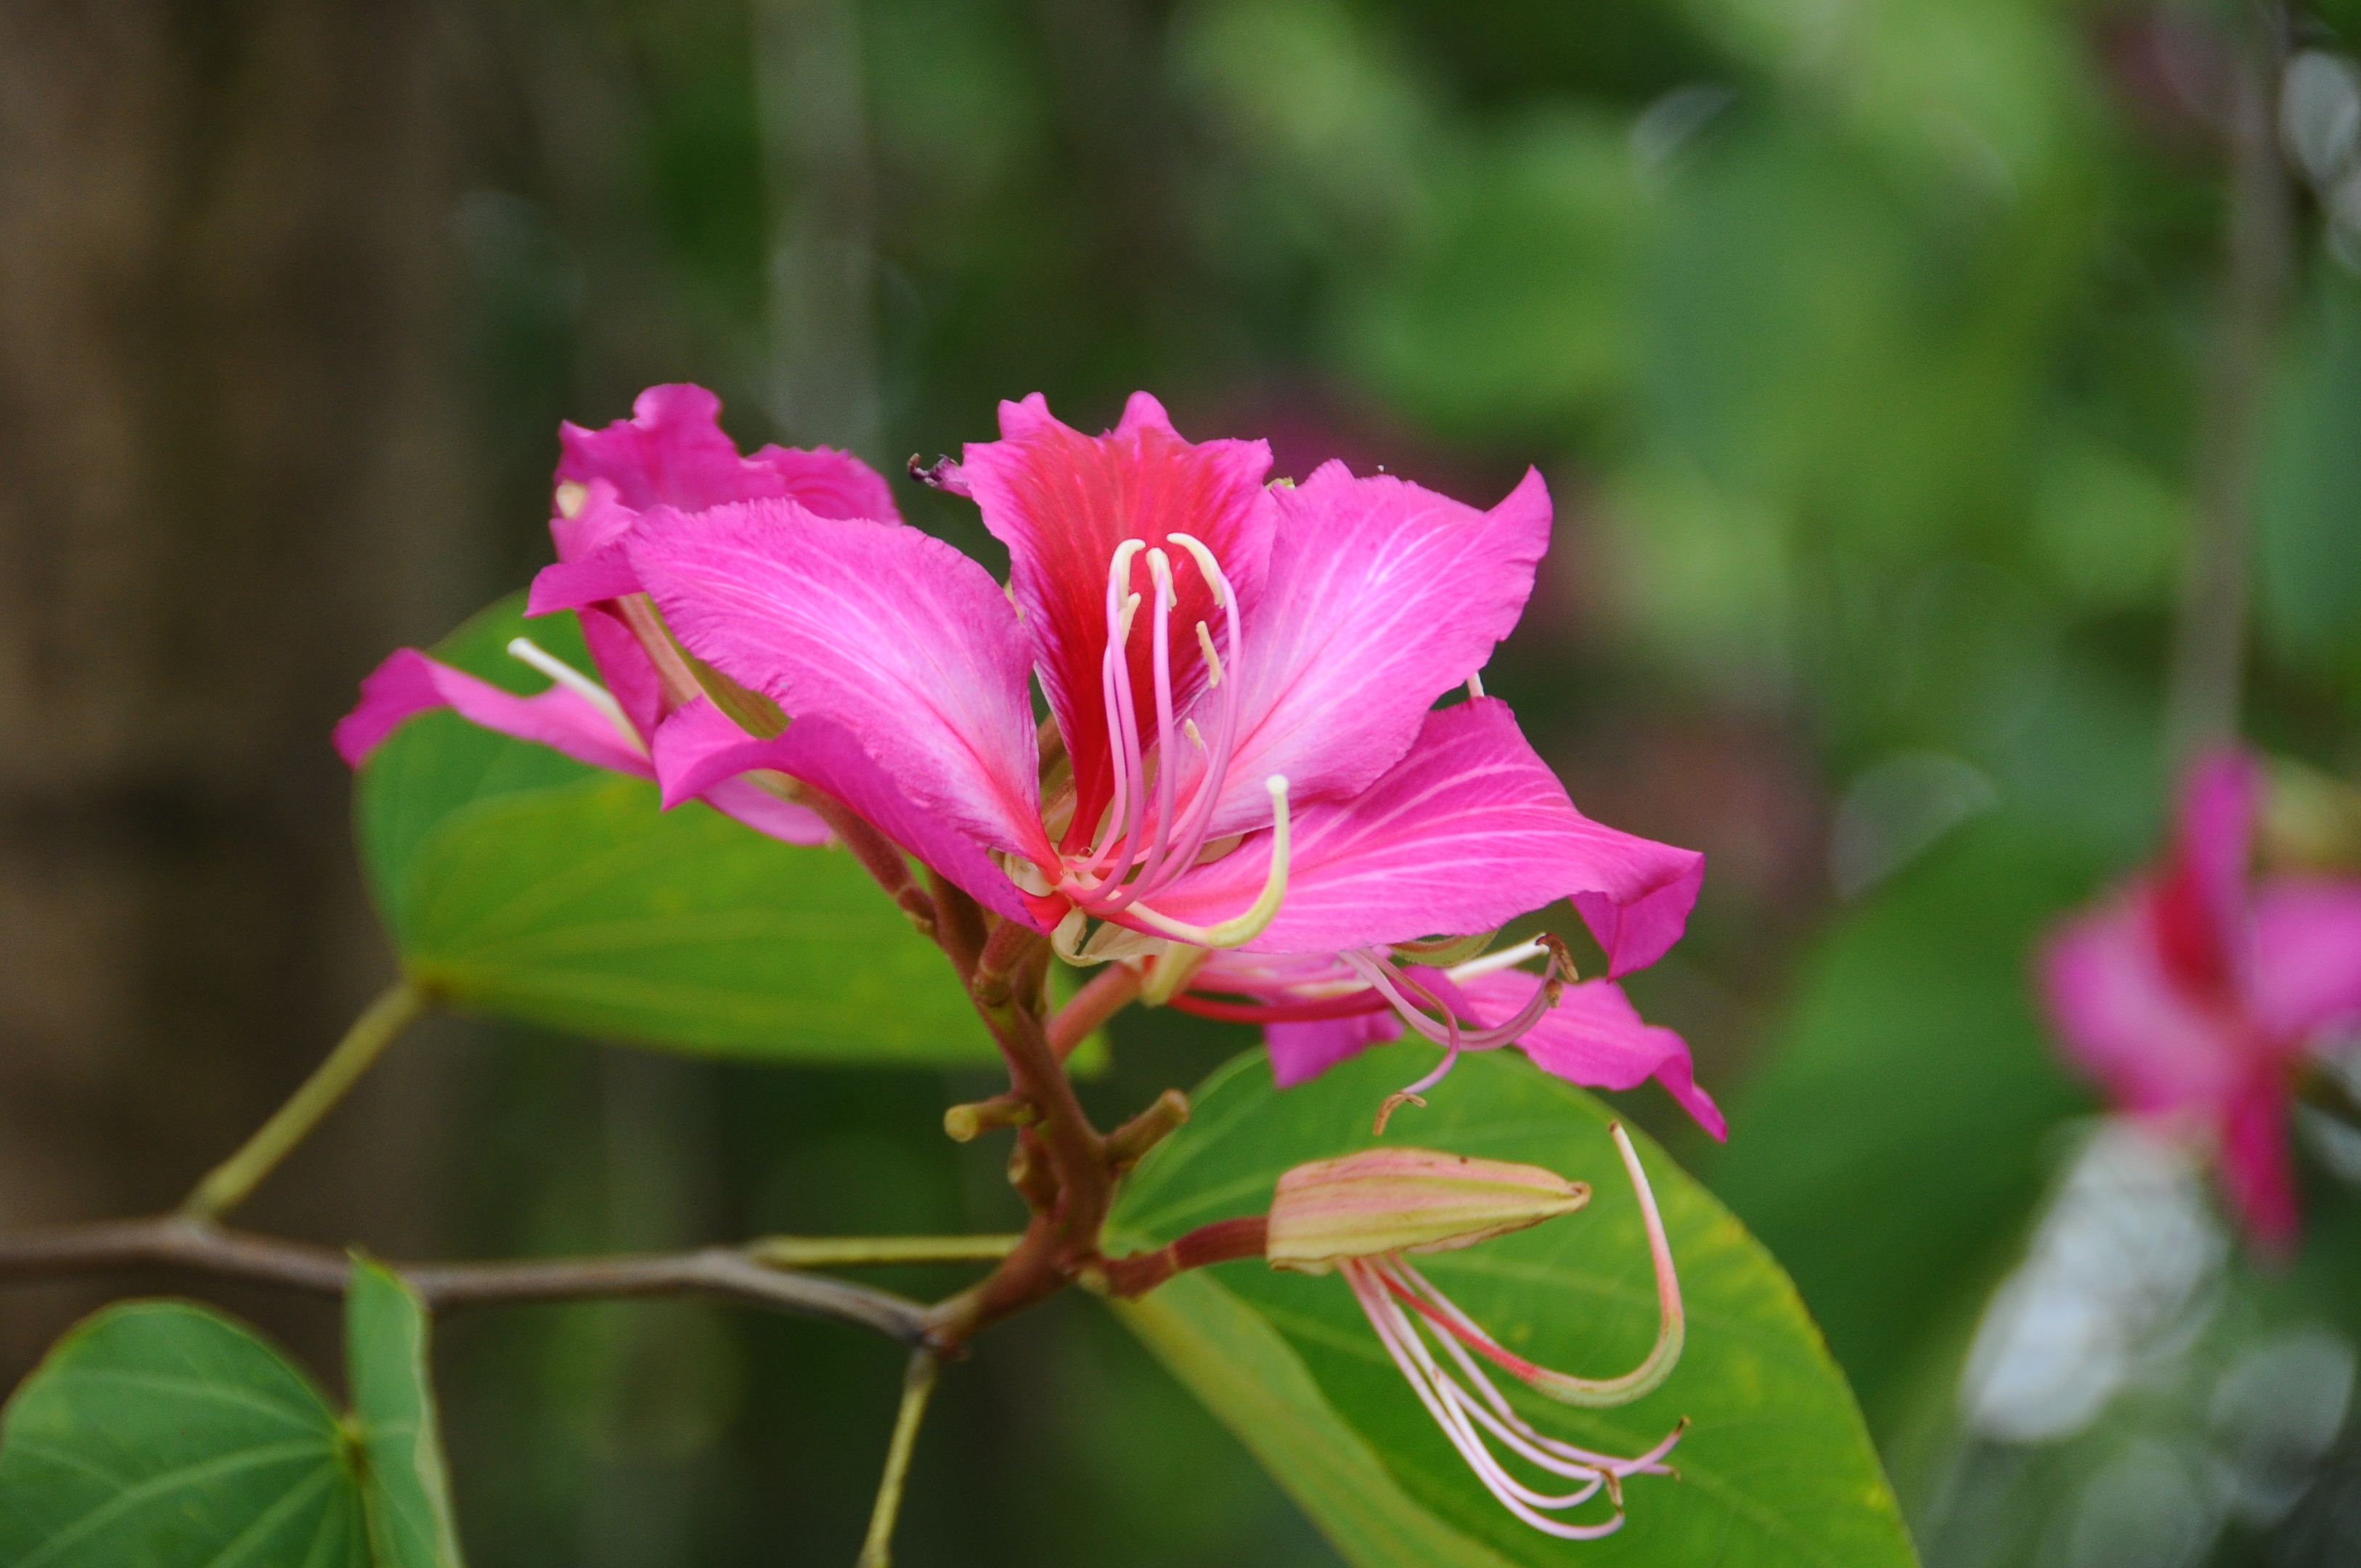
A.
x: 2195, y: 992
x: 672, y: 455
x: 1317, y: 1010
x: 1242, y: 678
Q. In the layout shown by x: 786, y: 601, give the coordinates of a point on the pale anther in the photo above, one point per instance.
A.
x: 1188, y: 728
x: 1207, y: 567
x: 1212, y: 659
x: 1159, y: 567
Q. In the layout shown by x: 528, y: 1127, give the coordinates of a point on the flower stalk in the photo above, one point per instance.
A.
x: 230, y: 1183
x: 918, y: 1384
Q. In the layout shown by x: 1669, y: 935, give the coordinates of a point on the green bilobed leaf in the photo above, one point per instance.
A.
x: 1777, y: 1468
x: 520, y: 883
x: 163, y: 1434
x: 407, y: 1489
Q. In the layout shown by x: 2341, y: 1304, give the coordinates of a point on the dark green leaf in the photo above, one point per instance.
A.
x: 407, y: 1491
x: 164, y: 1434
x: 518, y: 883
x: 1777, y: 1468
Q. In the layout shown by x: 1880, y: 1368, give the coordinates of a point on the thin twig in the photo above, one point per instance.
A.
x: 959, y: 923
x: 917, y: 1382
x: 200, y: 1246
x: 1103, y: 996
x: 2209, y: 643
x: 230, y: 1183
x: 857, y: 1252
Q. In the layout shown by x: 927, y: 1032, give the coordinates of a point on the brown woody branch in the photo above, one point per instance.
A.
x: 199, y: 1246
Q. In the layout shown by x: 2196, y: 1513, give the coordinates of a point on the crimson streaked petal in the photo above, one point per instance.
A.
x: 2200, y: 903
x: 892, y: 634
x: 1061, y: 502
x: 1381, y: 597
x: 1468, y: 831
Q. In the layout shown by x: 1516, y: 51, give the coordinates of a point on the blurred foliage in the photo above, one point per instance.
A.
x: 1864, y: 346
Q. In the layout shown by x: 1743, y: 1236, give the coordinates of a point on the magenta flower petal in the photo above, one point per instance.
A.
x: 673, y: 452
x: 1466, y: 832
x: 1301, y: 1052
x: 829, y: 756
x: 698, y: 754
x: 2307, y: 965
x: 2201, y: 900
x: 1637, y: 932
x: 1594, y: 1038
x: 766, y: 813
x: 882, y: 630
x: 701, y: 753
x: 2255, y: 1167
x: 631, y: 678
x: 2122, y: 1017
x: 1062, y: 501
x: 605, y: 574
x: 409, y: 683
x: 1381, y: 597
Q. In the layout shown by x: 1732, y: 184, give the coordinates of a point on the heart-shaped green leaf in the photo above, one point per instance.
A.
x: 164, y: 1434
x: 1776, y: 1468
x: 518, y: 882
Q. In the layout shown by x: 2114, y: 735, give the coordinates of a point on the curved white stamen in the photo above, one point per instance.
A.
x: 1207, y: 567
x: 1651, y: 1463
x: 1500, y: 958
x: 526, y: 651
x: 1256, y: 917
x: 1475, y: 686
x: 1213, y: 776
x: 1112, y: 858
x: 1159, y: 567
x: 1402, y: 1342
x: 1592, y: 1393
x: 1120, y: 869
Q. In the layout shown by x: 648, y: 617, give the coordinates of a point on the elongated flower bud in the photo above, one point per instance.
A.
x: 1404, y: 1200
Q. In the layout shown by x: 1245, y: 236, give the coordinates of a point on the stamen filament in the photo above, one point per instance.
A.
x: 1403, y: 1343
x: 1256, y: 917
x: 526, y: 651
x: 1589, y: 1392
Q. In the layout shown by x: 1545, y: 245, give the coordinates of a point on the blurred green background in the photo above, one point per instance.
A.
x: 1884, y: 356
